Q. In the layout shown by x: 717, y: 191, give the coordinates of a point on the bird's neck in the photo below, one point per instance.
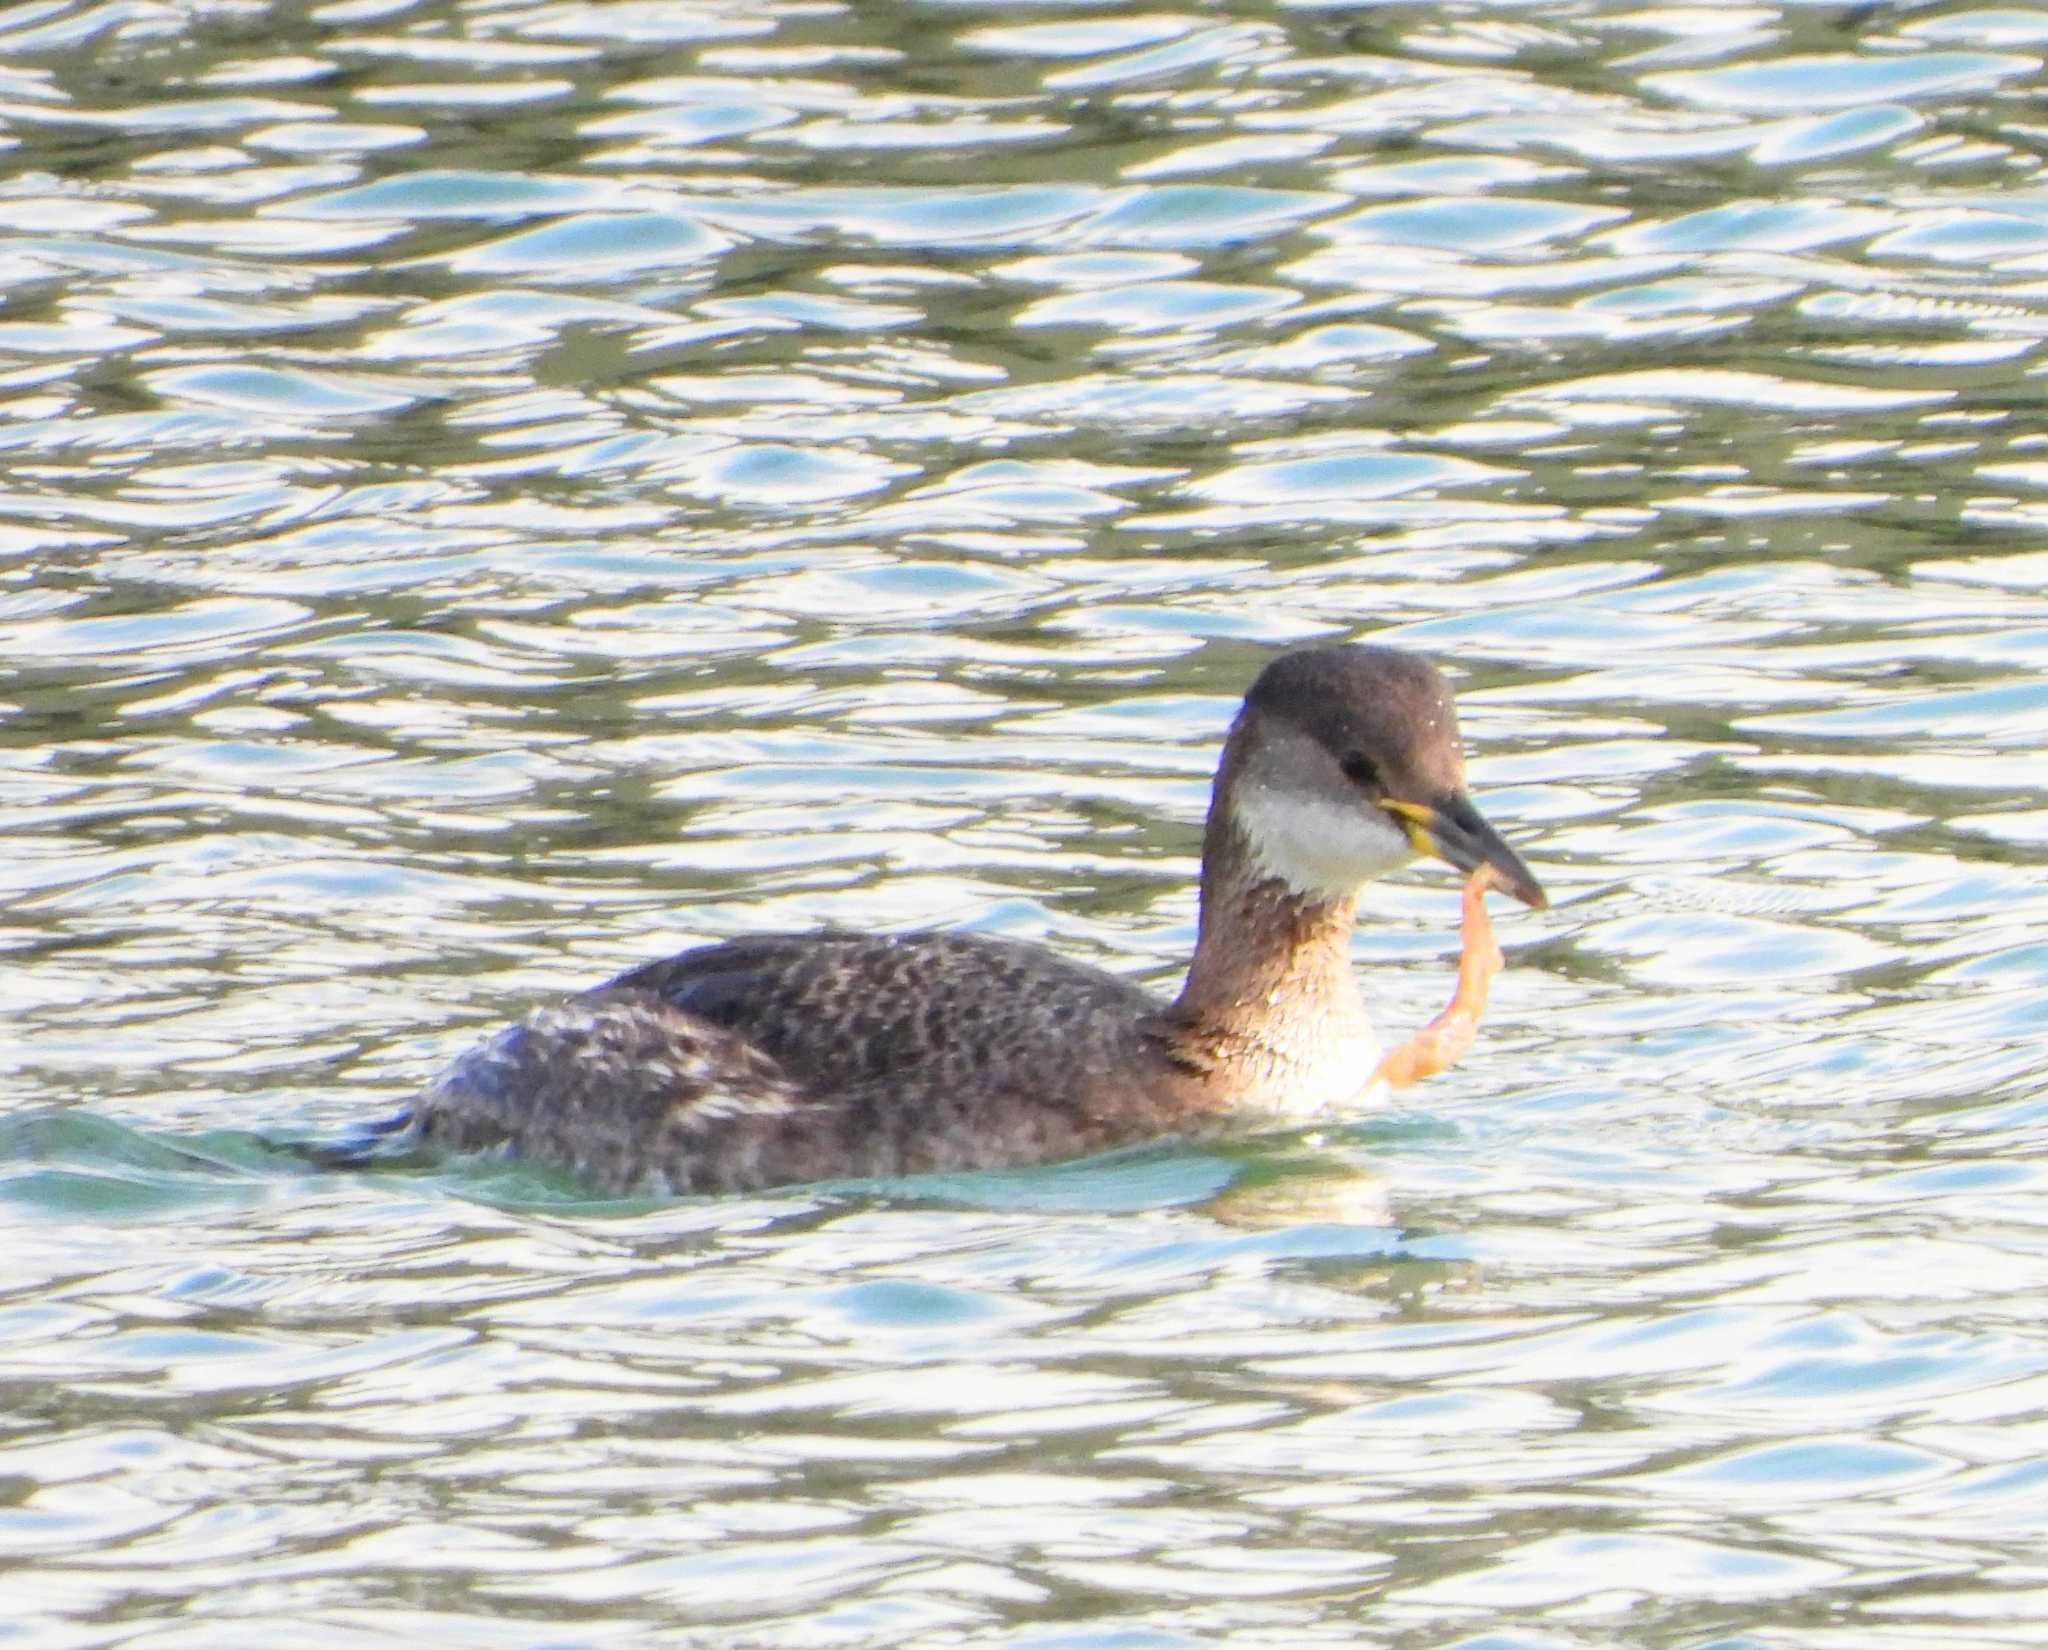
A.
x: 1270, y: 1006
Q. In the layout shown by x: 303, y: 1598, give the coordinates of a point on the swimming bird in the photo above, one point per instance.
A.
x: 798, y: 1057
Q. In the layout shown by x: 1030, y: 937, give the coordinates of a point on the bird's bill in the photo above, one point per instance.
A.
x: 1454, y: 831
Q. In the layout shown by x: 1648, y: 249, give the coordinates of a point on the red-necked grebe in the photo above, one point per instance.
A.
x: 795, y: 1057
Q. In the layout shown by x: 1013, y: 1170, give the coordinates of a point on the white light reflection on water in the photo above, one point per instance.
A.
x: 492, y: 494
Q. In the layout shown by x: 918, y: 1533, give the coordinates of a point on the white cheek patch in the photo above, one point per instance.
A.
x: 1321, y: 849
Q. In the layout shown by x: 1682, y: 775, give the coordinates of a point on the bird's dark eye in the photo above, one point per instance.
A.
x: 1361, y: 771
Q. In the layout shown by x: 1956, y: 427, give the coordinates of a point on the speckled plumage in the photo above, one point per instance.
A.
x: 795, y: 1057
x: 807, y: 1056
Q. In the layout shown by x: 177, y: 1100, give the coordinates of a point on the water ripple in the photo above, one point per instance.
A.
x: 496, y: 494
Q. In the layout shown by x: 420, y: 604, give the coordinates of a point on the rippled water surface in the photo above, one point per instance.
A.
x: 491, y: 493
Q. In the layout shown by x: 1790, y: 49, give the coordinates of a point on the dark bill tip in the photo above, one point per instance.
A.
x: 1456, y: 832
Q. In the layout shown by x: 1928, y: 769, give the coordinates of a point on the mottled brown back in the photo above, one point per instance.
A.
x: 794, y: 1057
